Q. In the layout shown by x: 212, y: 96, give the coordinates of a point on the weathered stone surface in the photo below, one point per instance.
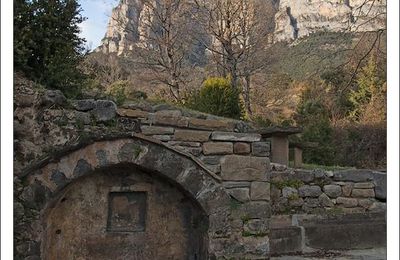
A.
x: 129, y: 124
x: 289, y: 192
x: 81, y: 117
x: 257, y: 209
x: 210, y: 124
x: 255, y: 245
x: 213, y: 160
x: 181, y: 143
x: 333, y: 191
x: 196, y: 151
x: 241, y: 194
x: 58, y: 178
x: 157, y: 130
x: 170, y: 117
x: 241, y: 148
x: 260, y: 190
x: 236, y: 184
x: 214, y: 168
x: 325, y: 201
x: 347, y: 202
x: 53, y: 97
x: 344, y: 231
x: 211, y: 148
x: 309, y: 191
x: 84, y: 104
x: 365, y: 203
x: 380, y: 185
x: 363, y: 193
x: 244, y: 168
x: 235, y: 137
x: 104, y: 110
x: 82, y: 168
x: 260, y: 148
x: 347, y: 188
x: 364, y: 185
x: 191, y: 135
x: 295, y: 202
x: 378, y: 206
x: 286, y: 240
x: 353, y: 175
x: 136, y: 113
x: 303, y: 175
x: 163, y: 138
x: 101, y: 157
x: 138, y: 105
x: 311, y: 202
x: 256, y: 226
x: 129, y: 152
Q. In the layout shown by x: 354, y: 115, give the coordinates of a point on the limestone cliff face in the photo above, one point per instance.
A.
x: 299, y: 18
x: 123, y: 30
x: 293, y: 19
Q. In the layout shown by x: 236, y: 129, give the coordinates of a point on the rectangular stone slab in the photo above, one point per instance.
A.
x: 235, y: 137
x: 244, y: 168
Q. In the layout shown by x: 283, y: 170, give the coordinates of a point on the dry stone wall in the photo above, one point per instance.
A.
x: 295, y: 191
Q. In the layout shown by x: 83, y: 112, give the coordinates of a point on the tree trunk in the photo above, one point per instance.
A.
x: 246, y: 95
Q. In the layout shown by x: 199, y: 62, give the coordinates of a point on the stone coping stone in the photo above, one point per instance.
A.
x: 365, y: 217
x: 136, y: 113
x: 211, y: 124
x: 191, y: 135
x: 279, y: 131
x: 355, y: 175
x: 235, y: 137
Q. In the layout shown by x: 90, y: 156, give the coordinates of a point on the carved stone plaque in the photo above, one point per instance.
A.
x: 126, y: 212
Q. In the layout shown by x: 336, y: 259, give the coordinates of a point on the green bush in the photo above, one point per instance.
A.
x: 217, y: 97
x: 117, y: 91
x: 313, y: 116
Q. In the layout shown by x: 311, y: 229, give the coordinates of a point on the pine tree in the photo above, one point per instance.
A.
x: 369, y: 87
x: 48, y: 48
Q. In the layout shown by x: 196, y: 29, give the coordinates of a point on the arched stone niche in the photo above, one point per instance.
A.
x: 109, y: 176
x: 124, y: 213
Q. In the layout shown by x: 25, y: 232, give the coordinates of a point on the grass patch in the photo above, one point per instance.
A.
x: 310, y: 166
x: 288, y: 183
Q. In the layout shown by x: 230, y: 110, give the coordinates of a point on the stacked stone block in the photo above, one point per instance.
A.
x: 318, y: 191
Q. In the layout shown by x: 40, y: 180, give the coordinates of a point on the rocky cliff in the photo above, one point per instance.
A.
x: 122, y: 31
x: 293, y: 19
x: 299, y: 18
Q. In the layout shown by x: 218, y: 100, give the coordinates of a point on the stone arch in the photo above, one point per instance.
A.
x: 48, y: 181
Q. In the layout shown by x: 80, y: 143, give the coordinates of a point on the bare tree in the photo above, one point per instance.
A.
x: 164, y: 46
x: 239, y: 39
x: 106, y: 68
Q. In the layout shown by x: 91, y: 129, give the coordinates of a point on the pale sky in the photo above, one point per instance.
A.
x: 97, y: 13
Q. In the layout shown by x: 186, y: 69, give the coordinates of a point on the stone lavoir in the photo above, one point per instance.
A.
x: 157, y: 182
